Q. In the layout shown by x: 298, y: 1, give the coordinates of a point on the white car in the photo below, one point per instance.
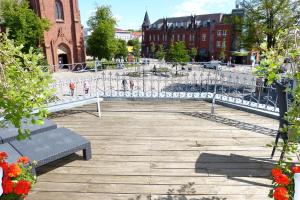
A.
x: 214, y: 64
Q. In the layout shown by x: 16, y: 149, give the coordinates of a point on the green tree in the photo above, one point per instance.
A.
x: 264, y: 19
x: 136, y: 48
x: 177, y: 54
x: 102, y: 42
x: 24, y: 86
x: 133, y: 42
x: 23, y: 25
x: 160, y: 53
x: 193, y: 53
x: 152, y: 49
x: 121, y: 51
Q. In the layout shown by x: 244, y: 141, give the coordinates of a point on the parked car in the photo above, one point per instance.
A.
x: 214, y: 64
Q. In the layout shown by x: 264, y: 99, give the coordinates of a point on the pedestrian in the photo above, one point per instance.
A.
x: 86, y: 87
x: 154, y: 69
x: 72, y: 88
x: 131, y: 83
x: 124, y: 83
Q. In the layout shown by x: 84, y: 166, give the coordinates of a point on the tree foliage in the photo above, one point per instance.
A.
x: 264, y: 19
x: 177, y: 53
x: 23, y: 25
x: 160, y: 52
x: 133, y: 42
x: 193, y: 53
x: 121, y: 50
x: 136, y: 48
x: 102, y: 42
x: 24, y: 87
x: 274, y: 68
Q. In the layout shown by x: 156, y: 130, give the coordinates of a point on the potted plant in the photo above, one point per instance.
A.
x: 17, y: 179
x: 276, y: 70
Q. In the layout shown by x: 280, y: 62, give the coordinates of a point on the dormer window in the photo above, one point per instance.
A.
x: 59, y: 12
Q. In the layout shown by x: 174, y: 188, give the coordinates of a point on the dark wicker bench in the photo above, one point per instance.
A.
x: 52, y: 145
x: 13, y: 155
x: 10, y: 133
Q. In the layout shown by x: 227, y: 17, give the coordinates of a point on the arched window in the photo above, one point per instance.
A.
x: 59, y: 10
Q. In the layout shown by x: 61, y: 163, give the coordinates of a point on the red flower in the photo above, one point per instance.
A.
x: 281, y: 193
x: 3, y: 155
x: 7, y: 186
x: 24, y: 160
x: 282, y: 179
x: 296, y: 169
x: 14, y: 170
x: 276, y: 172
x: 5, y: 167
x: 22, y: 187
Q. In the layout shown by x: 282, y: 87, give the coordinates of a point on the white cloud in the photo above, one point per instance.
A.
x: 188, y: 7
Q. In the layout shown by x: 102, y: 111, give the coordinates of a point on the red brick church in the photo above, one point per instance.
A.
x: 63, y: 43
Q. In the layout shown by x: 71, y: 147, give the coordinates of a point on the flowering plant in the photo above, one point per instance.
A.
x: 283, y: 182
x: 17, y: 178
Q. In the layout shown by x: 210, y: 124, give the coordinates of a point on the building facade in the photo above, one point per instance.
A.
x: 123, y: 34
x: 212, y: 35
x: 63, y: 43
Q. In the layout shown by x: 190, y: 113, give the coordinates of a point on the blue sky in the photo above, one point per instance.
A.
x: 130, y: 13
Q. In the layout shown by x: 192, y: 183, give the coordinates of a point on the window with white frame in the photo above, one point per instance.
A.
x: 150, y: 38
x: 203, y: 37
x: 193, y: 38
x: 218, y: 44
x: 158, y: 38
x: 224, y: 33
x: 183, y: 37
x: 219, y: 33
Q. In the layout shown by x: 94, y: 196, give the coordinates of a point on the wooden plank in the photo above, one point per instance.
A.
x: 144, y: 149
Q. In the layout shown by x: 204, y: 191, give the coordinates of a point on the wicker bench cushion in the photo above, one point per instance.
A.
x: 13, y: 155
x: 10, y: 132
x: 51, y: 145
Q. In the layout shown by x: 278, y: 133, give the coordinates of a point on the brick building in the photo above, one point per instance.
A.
x: 63, y: 43
x: 210, y: 34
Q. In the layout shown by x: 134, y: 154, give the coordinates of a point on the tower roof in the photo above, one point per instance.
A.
x: 146, y: 20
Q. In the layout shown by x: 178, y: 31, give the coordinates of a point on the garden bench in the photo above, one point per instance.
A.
x: 52, y: 145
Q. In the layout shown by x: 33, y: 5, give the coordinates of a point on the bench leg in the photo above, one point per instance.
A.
x: 87, y: 152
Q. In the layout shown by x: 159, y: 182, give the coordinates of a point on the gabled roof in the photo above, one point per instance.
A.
x: 200, y: 19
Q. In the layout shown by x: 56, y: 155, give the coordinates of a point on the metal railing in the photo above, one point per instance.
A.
x: 234, y: 88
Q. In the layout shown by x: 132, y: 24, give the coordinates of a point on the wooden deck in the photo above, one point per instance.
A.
x: 160, y: 151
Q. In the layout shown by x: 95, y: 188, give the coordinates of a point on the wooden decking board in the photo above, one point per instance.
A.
x: 142, y: 149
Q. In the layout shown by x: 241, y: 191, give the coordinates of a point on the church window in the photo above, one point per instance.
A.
x: 59, y: 10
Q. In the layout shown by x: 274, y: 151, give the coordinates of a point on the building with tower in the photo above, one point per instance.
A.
x: 63, y: 43
x: 213, y: 35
